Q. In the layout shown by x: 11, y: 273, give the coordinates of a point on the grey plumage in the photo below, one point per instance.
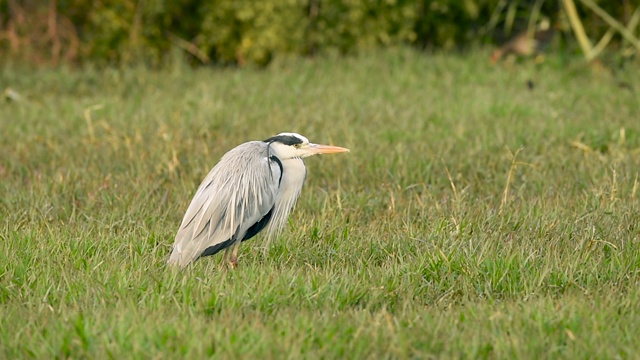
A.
x: 253, y: 186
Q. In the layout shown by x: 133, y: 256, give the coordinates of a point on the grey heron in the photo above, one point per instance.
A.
x: 254, y: 186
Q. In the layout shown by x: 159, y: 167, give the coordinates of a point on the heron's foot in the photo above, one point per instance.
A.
x: 233, y: 262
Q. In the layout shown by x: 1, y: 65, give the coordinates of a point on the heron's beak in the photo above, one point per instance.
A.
x: 326, y: 149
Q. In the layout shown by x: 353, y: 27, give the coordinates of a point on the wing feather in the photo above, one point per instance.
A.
x: 236, y: 194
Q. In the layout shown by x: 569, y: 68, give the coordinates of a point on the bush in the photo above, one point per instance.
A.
x: 228, y: 31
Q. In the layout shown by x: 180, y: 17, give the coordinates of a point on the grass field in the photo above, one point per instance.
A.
x: 473, y: 218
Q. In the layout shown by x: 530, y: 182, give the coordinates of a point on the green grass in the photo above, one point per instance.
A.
x: 473, y: 218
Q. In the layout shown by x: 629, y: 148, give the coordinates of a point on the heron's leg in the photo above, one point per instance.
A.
x: 233, y: 262
x: 227, y: 251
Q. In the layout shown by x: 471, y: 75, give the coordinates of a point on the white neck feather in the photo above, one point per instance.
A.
x: 293, y: 175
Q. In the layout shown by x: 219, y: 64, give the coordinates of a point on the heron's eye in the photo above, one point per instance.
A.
x: 297, y: 146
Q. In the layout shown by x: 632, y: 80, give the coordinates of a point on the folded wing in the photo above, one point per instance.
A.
x: 236, y: 197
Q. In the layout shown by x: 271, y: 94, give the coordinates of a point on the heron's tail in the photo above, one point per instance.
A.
x: 176, y: 259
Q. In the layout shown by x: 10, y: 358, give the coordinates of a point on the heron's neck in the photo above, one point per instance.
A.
x: 294, y: 173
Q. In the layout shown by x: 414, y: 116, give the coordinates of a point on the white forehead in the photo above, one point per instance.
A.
x: 304, y: 139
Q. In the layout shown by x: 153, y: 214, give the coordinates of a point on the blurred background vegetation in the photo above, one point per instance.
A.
x: 50, y: 32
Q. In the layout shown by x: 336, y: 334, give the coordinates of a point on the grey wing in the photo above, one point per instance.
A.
x: 238, y: 192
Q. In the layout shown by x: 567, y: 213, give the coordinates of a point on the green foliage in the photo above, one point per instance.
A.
x: 123, y: 31
x: 255, y: 32
x: 427, y: 240
x: 352, y: 25
x: 445, y: 24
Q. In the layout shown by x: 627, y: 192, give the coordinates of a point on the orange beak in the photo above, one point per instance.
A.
x: 326, y: 149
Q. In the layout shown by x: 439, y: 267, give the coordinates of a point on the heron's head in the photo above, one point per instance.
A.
x: 291, y: 145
